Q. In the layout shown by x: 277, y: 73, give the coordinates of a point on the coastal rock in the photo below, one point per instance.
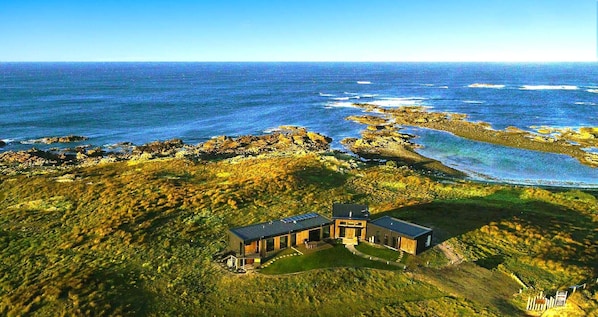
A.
x: 159, y: 148
x: 35, y: 157
x: 59, y: 139
x: 286, y: 139
x: 2, y: 143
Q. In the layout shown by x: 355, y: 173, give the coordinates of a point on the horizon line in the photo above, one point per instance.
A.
x: 298, y: 61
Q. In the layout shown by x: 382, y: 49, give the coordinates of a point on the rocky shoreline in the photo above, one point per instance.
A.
x: 559, y: 141
x: 285, y: 140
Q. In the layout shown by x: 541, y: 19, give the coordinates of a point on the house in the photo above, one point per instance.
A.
x: 253, y: 242
x: 350, y: 222
x: 399, y: 235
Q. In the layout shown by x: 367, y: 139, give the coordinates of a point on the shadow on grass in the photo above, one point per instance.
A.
x: 451, y: 218
x: 322, y: 177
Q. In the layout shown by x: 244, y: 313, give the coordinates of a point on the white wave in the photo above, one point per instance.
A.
x: 584, y: 103
x: 364, y: 82
x: 474, y: 102
x: 7, y: 140
x: 331, y: 105
x: 443, y: 87
x: 595, y: 91
x: 326, y: 95
x: 351, y: 93
x: 369, y: 95
x: 428, y: 85
x: 480, y: 85
x: 341, y: 98
x: 399, y: 102
x: 549, y: 87
x: 271, y: 130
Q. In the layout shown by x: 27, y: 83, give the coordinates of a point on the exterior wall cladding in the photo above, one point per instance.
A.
x: 395, y: 240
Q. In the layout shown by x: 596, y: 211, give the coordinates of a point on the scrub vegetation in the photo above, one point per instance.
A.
x: 139, y: 237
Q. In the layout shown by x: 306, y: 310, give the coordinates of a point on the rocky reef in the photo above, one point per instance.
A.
x: 563, y: 141
x: 285, y: 140
x: 383, y: 140
x: 59, y: 139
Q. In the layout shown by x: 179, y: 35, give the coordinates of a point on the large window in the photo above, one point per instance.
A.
x: 283, y: 242
x: 269, y: 244
x: 342, y: 232
x: 326, y: 232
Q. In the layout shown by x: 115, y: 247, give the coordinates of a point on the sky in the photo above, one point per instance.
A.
x: 293, y: 30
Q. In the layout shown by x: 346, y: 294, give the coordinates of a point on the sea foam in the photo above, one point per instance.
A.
x: 399, y: 102
x: 480, y: 85
x: 549, y: 87
x: 594, y: 91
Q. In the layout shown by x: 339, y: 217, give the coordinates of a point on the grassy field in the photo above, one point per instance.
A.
x: 139, y: 238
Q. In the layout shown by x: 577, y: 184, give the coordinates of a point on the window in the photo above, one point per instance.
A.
x: 269, y: 244
x: 293, y: 239
x: 342, y: 232
x: 326, y: 232
x: 429, y: 241
x: 284, y: 242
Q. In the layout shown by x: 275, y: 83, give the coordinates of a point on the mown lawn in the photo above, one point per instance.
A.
x: 380, y: 252
x: 338, y: 256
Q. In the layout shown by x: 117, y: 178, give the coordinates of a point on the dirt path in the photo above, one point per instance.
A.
x: 453, y: 256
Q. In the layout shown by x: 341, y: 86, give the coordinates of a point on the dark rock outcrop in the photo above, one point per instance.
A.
x: 159, y: 148
x: 60, y: 139
x: 286, y: 139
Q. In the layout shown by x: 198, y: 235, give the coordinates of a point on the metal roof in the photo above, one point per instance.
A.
x: 405, y: 228
x: 279, y: 227
x: 350, y: 211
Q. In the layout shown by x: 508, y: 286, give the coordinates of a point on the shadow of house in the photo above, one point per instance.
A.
x: 505, y: 209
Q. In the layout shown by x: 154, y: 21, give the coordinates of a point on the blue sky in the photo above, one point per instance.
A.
x: 293, y: 30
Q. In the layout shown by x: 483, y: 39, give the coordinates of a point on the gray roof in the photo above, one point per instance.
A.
x: 405, y: 228
x: 350, y: 211
x: 278, y: 227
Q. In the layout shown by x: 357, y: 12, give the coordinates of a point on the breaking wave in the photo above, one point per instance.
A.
x: 549, y: 87
x: 480, y: 85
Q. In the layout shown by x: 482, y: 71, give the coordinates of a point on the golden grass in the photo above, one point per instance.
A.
x: 138, y: 239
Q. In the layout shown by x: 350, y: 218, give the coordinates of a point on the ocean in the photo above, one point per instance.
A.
x: 144, y: 102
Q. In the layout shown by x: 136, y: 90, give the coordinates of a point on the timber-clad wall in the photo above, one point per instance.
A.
x: 349, y: 224
x: 402, y: 243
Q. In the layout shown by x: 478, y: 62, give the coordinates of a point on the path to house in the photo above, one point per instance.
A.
x: 373, y: 258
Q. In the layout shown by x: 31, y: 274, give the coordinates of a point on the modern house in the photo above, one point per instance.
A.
x: 254, y: 242
x: 399, y: 235
x: 350, y: 222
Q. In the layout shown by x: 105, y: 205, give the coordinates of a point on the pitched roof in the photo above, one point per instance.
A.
x: 405, y: 228
x: 278, y: 227
x: 350, y: 211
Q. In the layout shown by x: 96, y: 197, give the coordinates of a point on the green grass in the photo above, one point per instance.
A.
x: 378, y: 251
x: 338, y: 256
x: 140, y: 239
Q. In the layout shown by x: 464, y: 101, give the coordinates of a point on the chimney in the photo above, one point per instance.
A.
x: 350, y: 214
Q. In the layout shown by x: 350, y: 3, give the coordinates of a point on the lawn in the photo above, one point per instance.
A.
x: 338, y: 256
x: 380, y: 252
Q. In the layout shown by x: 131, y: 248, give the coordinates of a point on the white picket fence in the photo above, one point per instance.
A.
x: 540, y: 302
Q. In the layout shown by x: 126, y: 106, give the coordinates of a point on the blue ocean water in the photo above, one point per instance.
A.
x: 143, y: 102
